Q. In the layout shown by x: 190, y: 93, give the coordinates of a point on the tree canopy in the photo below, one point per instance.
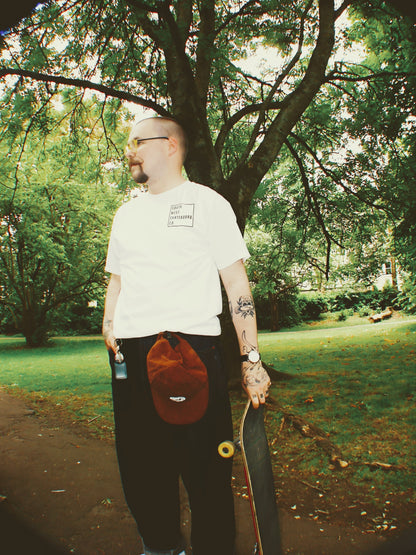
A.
x: 54, y: 225
x: 184, y: 59
x: 309, y: 100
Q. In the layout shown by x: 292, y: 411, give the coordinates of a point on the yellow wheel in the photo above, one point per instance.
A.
x: 226, y: 449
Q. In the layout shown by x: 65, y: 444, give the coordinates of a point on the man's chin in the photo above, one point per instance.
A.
x: 141, y: 179
x: 138, y: 175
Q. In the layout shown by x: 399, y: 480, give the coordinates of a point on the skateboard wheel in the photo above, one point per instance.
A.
x: 226, y: 449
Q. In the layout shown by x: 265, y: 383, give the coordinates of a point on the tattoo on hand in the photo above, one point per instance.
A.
x: 245, y: 306
x: 254, y: 374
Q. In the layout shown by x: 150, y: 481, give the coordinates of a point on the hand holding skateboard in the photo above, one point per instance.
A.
x: 256, y: 382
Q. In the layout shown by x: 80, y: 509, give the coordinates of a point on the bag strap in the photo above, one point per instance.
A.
x: 170, y: 336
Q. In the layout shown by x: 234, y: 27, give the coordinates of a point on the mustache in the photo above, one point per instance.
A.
x: 135, y: 163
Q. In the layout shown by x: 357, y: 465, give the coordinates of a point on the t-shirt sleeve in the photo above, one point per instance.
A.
x: 112, y: 264
x: 226, y: 242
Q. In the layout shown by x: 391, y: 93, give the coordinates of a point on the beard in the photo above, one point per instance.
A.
x: 141, y: 178
x: 138, y: 174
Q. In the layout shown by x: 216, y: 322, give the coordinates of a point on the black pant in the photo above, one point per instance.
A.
x: 153, y: 454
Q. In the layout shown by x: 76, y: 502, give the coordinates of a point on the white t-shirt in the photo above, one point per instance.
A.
x: 168, y: 249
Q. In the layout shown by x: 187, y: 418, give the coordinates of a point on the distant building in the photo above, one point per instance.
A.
x: 389, y: 276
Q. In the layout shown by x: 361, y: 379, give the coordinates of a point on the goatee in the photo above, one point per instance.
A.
x: 142, y: 178
x: 139, y: 176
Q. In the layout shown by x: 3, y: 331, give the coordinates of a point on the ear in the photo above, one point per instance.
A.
x: 173, y: 146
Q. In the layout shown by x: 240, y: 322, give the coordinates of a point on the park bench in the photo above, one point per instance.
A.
x: 374, y: 318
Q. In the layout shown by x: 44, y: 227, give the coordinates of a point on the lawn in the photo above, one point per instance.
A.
x: 357, y: 383
x: 71, y: 375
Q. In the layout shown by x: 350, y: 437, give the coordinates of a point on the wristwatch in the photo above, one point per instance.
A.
x: 253, y: 356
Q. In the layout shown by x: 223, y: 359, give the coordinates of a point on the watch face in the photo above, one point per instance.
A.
x: 253, y: 356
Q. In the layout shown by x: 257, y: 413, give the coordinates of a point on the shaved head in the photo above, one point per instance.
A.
x: 170, y: 128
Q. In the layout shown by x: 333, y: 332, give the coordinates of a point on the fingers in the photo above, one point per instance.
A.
x: 256, y: 382
x: 258, y: 394
x: 111, y: 343
x: 257, y: 399
x: 114, y: 346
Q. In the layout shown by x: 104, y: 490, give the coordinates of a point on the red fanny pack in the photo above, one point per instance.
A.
x: 178, y: 380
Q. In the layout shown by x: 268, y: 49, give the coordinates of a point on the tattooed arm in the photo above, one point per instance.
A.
x: 113, y: 291
x: 255, y: 379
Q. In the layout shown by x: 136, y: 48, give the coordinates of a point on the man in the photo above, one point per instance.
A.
x: 167, y: 250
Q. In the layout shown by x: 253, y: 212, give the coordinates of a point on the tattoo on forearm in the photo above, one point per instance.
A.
x: 107, y: 326
x: 245, y: 307
x: 247, y: 346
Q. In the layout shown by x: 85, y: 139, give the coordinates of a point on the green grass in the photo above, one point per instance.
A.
x: 330, y: 320
x: 357, y: 383
x: 71, y: 374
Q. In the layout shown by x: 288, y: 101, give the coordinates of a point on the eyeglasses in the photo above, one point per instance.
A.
x: 135, y: 143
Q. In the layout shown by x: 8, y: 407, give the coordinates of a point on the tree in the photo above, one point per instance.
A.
x: 54, y: 230
x: 285, y: 237
x: 180, y: 58
x: 16, y: 12
x: 184, y: 58
x: 387, y: 128
x: 283, y: 251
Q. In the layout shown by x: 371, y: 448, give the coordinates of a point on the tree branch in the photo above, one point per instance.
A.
x: 343, y: 7
x: 140, y: 10
x: 85, y: 84
x: 205, y: 48
x: 335, y: 75
x: 314, y: 206
x: 331, y: 174
x: 241, y: 11
x: 269, y: 99
x: 184, y: 18
x: 237, y: 116
x: 245, y: 178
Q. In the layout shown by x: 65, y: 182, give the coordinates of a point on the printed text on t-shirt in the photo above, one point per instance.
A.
x: 181, y: 215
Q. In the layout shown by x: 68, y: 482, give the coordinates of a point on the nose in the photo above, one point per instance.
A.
x: 128, y: 152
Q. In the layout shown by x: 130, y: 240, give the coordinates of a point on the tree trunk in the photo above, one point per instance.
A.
x: 393, y: 273
x: 34, y: 329
x: 274, y: 312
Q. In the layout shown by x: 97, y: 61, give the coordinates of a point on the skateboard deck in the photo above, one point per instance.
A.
x: 259, y: 478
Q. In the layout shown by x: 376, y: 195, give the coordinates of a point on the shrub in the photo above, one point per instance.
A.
x: 311, y: 306
x: 373, y: 300
x: 306, y: 307
x: 364, y: 311
x: 78, y: 318
x: 287, y: 311
x: 407, y: 297
x: 344, y: 314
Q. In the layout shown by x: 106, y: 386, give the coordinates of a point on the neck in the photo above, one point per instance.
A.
x: 156, y: 187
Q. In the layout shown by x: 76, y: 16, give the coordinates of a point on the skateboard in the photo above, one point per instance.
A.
x: 259, y: 477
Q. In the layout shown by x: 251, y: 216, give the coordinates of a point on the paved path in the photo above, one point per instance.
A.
x: 61, y: 494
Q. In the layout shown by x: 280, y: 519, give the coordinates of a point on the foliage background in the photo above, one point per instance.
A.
x: 313, y: 144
